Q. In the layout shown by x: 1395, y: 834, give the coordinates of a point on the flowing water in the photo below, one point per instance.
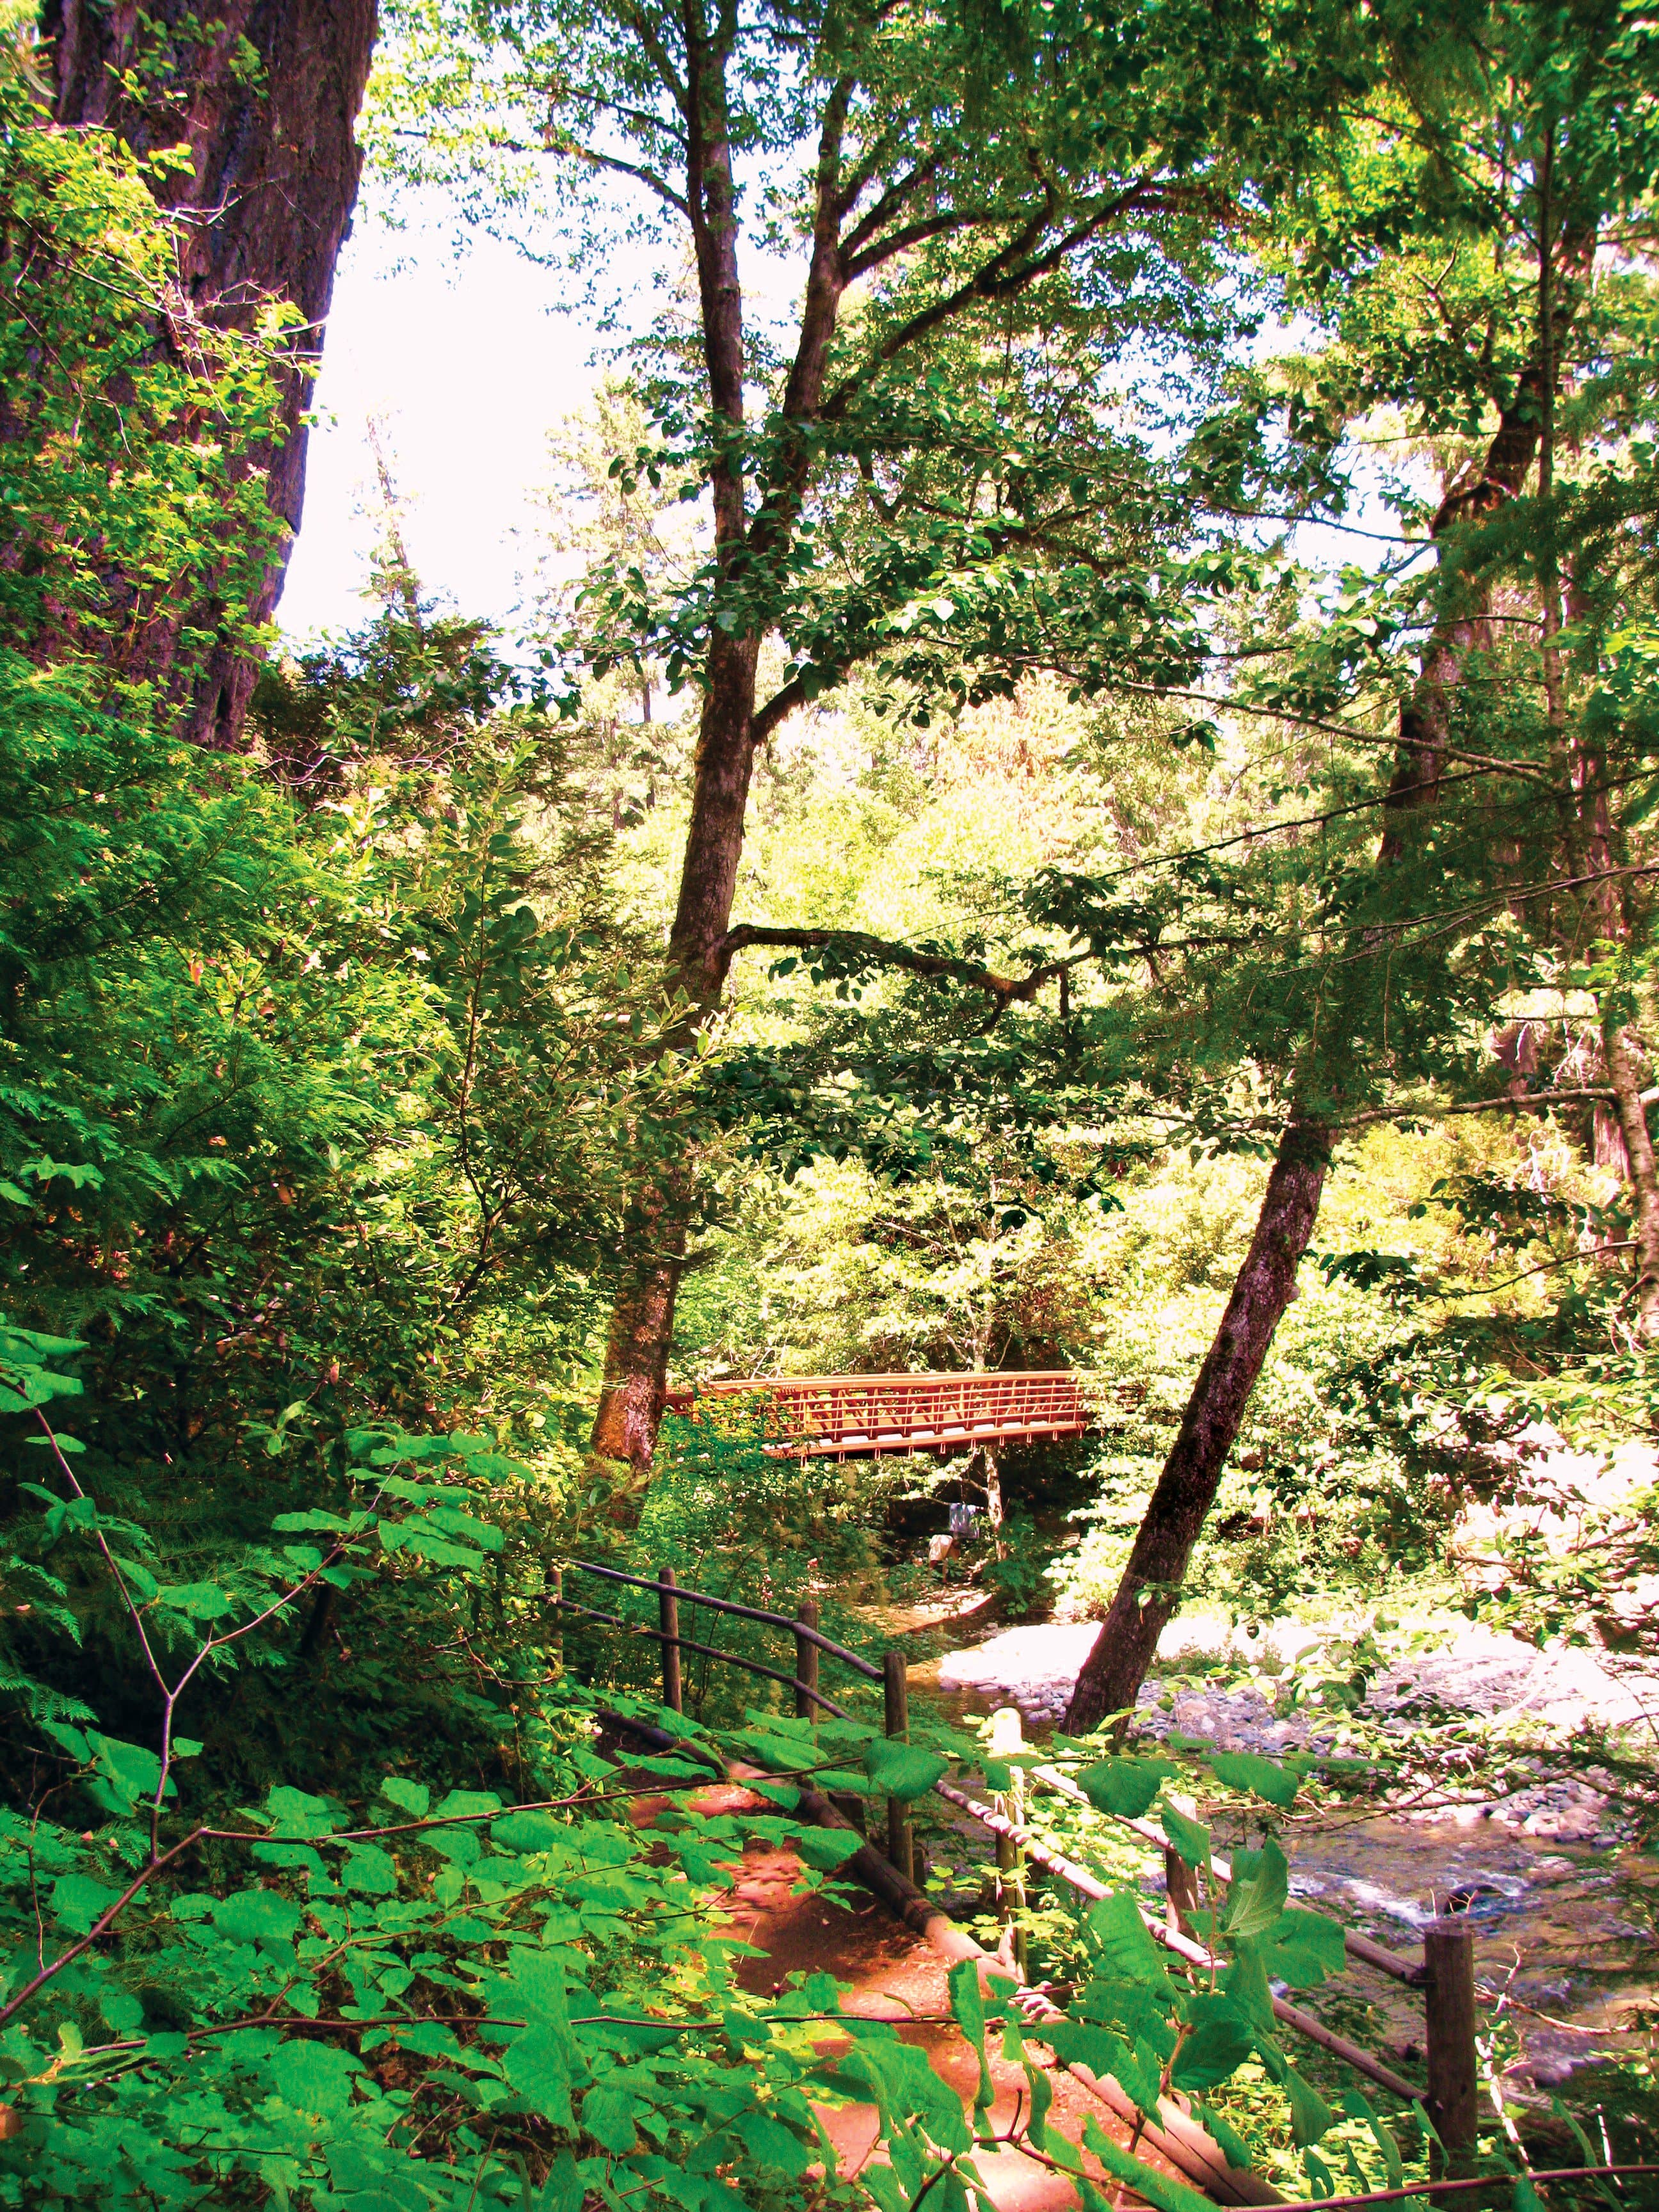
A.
x: 1564, y: 1907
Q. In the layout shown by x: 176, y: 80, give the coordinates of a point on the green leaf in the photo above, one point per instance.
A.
x: 1125, y: 1947
x: 529, y: 1831
x: 1256, y: 1894
x: 1263, y: 1777
x: 1235, y: 2150
x: 608, y: 2116
x: 772, y: 2144
x: 1302, y: 1948
x: 1310, y: 2116
x: 1190, y: 1840
x: 967, y: 2009
x: 897, y: 1771
x: 1358, y: 2106
x: 1158, y: 2189
x: 826, y: 1849
x: 258, y: 1915
x: 197, y: 1600
x: 312, y: 2076
x: 411, y: 1797
x: 296, y: 1813
x: 1223, y: 2037
x: 538, y: 2065
x: 77, y: 1900
x: 369, y: 1871
x: 564, y: 2190
x: 1125, y: 1787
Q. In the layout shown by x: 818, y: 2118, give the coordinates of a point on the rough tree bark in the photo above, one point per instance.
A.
x: 1149, y: 1592
x: 263, y: 210
x: 643, y: 1319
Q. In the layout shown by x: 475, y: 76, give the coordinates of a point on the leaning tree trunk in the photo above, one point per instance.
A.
x: 1150, y: 1591
x: 262, y: 214
x: 1151, y: 1588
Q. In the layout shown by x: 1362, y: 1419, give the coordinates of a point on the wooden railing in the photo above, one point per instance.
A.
x: 809, y: 1643
x: 868, y: 1416
x: 1445, y: 1974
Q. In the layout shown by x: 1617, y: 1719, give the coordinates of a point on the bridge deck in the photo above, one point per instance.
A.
x: 868, y: 1416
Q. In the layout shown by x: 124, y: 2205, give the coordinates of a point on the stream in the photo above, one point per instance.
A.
x: 1565, y: 1908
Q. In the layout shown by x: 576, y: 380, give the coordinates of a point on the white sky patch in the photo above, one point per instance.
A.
x: 472, y: 364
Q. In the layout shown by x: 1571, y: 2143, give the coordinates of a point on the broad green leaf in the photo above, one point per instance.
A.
x: 1125, y: 1787
x: 529, y: 1831
x: 608, y: 2116
x: 258, y: 1915
x: 772, y: 2144
x: 312, y: 2076
x: 1256, y: 1894
x: 296, y: 1813
x: 77, y: 1900
x: 1234, y: 2147
x: 826, y: 1849
x: 1158, y: 2189
x: 1222, y: 2039
x: 538, y: 2065
x: 1125, y: 1947
x: 1190, y: 1840
x: 1310, y: 2116
x: 1358, y: 2106
x: 564, y: 2189
x: 369, y: 1871
x: 197, y: 1600
x: 897, y: 1771
x: 967, y: 2009
x: 1263, y: 1777
x: 1302, y: 1947
x: 411, y: 1797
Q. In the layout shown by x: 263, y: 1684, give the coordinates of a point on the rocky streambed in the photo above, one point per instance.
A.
x: 1565, y: 1908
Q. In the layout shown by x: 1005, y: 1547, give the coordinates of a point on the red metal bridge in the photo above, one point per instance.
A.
x: 868, y: 1416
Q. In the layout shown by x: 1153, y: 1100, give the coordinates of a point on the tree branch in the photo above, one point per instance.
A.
x: 887, y: 952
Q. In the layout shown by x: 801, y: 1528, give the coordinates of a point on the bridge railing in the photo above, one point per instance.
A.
x: 868, y: 1415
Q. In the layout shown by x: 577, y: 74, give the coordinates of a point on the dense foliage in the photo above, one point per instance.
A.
x: 1100, y: 836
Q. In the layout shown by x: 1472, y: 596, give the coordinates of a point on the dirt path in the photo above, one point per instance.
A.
x: 888, y: 1973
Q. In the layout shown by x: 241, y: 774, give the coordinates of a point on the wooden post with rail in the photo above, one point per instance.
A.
x: 807, y: 1663
x: 668, y: 1620
x: 1453, y: 2076
x: 896, y: 1700
x: 1006, y: 1739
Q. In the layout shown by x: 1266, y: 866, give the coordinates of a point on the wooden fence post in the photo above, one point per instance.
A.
x: 896, y: 1703
x: 556, y: 1611
x: 668, y: 1618
x: 1005, y: 1741
x: 1448, y: 1995
x: 807, y: 1663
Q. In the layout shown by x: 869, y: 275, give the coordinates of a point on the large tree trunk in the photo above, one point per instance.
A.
x: 1151, y: 1588
x: 642, y: 1331
x: 264, y: 209
x: 642, y: 1326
